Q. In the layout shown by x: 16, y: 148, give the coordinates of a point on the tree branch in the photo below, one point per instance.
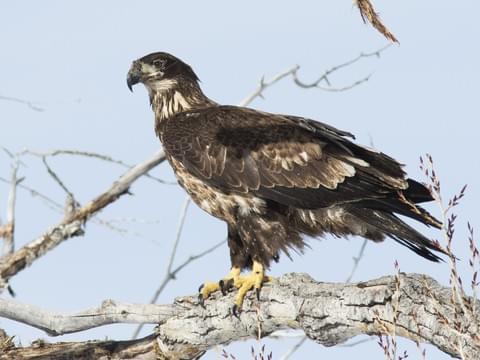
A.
x: 90, y: 154
x: 419, y: 309
x: 8, y: 230
x: 72, y: 225
x: 324, y: 78
x: 30, y: 104
x: 142, y: 349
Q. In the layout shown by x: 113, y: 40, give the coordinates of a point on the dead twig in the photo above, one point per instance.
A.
x: 7, y: 231
x: 324, y: 78
x: 103, y: 157
x: 57, y: 179
x: 356, y: 260
x: 369, y: 14
x: 30, y: 104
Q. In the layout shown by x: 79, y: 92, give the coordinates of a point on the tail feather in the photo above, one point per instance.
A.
x: 405, y: 208
x: 395, y: 228
x: 417, y: 192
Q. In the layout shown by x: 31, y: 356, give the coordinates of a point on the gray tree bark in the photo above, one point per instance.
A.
x: 412, y: 306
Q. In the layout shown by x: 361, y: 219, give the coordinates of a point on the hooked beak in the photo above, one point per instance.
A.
x: 134, y: 75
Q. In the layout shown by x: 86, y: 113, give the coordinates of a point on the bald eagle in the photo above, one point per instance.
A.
x: 273, y: 178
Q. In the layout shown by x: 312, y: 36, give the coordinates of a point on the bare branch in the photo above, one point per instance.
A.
x: 8, y: 230
x: 293, y: 72
x: 356, y: 260
x: 21, y: 101
x: 90, y: 154
x: 294, y: 349
x: 142, y: 349
x: 72, y: 225
x: 368, y: 13
x: 265, y: 84
x: 192, y: 258
x: 328, y: 313
x: 181, y: 223
x: 57, y: 179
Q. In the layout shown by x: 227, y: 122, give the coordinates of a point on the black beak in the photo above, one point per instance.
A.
x: 133, y: 76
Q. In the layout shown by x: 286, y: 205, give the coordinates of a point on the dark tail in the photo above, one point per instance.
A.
x: 391, y: 226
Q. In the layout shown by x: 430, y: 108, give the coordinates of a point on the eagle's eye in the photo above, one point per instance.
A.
x: 159, y: 63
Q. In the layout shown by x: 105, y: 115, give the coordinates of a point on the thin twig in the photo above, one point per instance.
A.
x: 294, y: 349
x: 181, y: 223
x: 265, y: 84
x: 30, y: 104
x: 356, y: 260
x: 8, y: 230
x: 356, y: 343
x: 57, y: 179
x: 90, y: 154
x: 192, y: 258
x: 293, y: 72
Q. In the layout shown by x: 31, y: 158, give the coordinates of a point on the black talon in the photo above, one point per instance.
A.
x: 201, y: 301
x: 235, y: 311
x: 223, y: 288
x: 258, y: 293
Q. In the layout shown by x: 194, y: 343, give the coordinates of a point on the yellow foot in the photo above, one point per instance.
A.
x: 224, y: 285
x: 245, y: 283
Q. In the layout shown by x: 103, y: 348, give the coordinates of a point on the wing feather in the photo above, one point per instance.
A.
x: 288, y: 159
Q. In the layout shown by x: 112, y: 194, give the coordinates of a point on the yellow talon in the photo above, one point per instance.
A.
x: 210, y: 287
x: 245, y: 283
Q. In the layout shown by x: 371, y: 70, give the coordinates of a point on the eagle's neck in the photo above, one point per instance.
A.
x: 170, y: 97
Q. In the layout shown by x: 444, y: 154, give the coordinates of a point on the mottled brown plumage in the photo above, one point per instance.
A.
x: 273, y: 178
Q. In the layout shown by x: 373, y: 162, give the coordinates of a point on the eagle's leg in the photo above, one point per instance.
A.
x: 245, y: 283
x: 210, y: 287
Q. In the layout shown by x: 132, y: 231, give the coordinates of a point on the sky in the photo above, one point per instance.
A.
x: 70, y: 59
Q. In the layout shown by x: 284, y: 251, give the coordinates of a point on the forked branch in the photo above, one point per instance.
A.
x: 72, y: 225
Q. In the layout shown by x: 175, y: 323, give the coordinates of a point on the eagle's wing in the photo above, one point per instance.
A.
x: 291, y: 160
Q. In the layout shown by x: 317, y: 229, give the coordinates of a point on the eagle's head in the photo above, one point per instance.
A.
x: 159, y: 71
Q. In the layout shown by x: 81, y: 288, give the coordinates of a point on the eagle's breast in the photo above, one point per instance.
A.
x: 226, y: 206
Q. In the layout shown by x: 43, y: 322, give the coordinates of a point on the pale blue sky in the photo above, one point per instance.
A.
x: 71, y: 59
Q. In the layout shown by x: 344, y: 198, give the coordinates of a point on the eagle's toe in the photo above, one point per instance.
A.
x: 223, y: 285
x: 244, y: 284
